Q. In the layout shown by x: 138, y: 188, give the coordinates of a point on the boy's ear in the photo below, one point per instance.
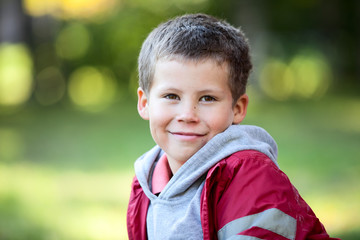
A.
x: 240, y: 108
x: 142, y: 104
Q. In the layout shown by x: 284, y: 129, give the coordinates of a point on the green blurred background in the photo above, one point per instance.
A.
x: 69, y: 129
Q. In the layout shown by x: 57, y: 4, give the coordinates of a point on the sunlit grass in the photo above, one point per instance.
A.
x: 338, y: 210
x: 64, y: 204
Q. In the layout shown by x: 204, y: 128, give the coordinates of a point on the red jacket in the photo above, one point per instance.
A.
x: 245, y: 194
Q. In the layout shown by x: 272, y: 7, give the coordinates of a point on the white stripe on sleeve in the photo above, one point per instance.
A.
x: 271, y: 219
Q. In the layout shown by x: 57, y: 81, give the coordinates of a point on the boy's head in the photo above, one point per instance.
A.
x: 193, y: 73
x: 197, y: 37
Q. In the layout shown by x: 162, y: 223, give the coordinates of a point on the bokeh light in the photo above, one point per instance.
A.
x: 79, y: 9
x: 306, y: 76
x: 73, y: 41
x: 277, y: 80
x: 312, y: 73
x: 92, y: 89
x: 15, y: 74
x: 50, y: 86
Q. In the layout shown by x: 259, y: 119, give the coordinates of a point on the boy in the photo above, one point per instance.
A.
x: 208, y: 177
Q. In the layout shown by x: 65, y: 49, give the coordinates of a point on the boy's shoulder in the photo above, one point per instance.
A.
x: 245, y: 165
x: 243, y: 158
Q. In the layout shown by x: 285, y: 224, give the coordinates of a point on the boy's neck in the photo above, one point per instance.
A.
x: 174, y: 165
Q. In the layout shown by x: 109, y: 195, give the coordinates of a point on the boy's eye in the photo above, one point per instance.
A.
x: 172, y: 97
x: 207, y: 99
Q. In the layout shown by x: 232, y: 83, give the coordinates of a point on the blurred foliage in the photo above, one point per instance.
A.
x: 301, y: 49
x: 65, y: 174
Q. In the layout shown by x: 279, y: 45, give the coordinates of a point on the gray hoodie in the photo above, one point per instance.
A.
x: 175, y: 212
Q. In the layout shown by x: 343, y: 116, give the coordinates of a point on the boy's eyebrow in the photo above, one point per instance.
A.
x: 207, y: 90
x: 169, y: 89
x: 202, y: 91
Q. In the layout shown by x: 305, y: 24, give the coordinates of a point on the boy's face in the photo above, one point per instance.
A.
x: 187, y: 105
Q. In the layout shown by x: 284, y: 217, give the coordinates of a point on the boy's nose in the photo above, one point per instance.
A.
x: 188, y: 113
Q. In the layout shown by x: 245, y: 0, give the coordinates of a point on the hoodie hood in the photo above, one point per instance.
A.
x: 233, y: 139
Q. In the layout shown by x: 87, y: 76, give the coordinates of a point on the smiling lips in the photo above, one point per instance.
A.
x: 187, y: 135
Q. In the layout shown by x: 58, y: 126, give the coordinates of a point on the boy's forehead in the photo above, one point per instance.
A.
x: 186, y: 61
x: 163, y: 66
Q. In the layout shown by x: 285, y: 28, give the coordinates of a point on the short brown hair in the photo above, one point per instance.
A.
x: 197, y: 37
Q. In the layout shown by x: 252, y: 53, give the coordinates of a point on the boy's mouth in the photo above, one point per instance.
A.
x: 187, y: 135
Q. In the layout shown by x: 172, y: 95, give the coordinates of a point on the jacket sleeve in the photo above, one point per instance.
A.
x: 247, y: 195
